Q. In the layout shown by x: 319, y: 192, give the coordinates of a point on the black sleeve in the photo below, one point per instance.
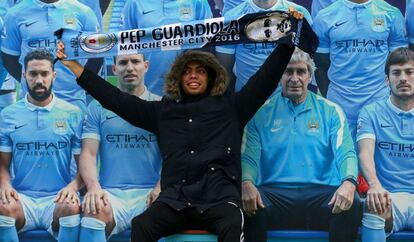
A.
x: 94, y: 64
x: 136, y: 111
x: 263, y: 83
x: 12, y: 65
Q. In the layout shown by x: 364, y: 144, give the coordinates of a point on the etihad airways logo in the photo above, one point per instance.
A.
x: 360, y: 45
x: 131, y: 140
x: 397, y: 149
x: 42, y: 43
x: 41, y: 148
x: 41, y: 145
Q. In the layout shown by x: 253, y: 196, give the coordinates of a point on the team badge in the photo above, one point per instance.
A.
x: 313, y: 126
x: 69, y: 20
x: 186, y: 12
x: 98, y: 43
x: 60, y: 126
x: 378, y: 23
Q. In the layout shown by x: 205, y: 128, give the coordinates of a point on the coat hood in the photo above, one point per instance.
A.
x: 217, y: 75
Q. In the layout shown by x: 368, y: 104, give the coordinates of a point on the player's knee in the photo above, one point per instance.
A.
x: 67, y: 209
x: 105, y: 214
x: 106, y: 211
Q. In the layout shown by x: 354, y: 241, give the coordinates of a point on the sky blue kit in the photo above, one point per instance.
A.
x: 358, y: 38
x: 295, y: 146
x: 31, y: 24
x: 42, y: 141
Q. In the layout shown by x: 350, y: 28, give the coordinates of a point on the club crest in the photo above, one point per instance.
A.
x: 70, y: 20
x: 378, y: 23
x: 60, y: 126
x: 313, y: 126
x: 186, y: 12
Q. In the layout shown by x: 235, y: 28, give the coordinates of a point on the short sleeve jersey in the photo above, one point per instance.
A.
x: 31, y: 24
x: 358, y: 38
x: 393, y: 132
x: 129, y: 156
x: 42, y: 141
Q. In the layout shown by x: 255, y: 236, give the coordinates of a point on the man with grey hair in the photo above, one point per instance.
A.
x: 299, y: 167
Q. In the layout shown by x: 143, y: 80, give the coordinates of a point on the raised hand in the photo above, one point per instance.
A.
x: 295, y: 13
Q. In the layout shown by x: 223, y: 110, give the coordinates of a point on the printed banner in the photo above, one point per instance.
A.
x: 275, y: 26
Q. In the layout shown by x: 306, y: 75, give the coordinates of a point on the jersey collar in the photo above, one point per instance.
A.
x: 350, y: 4
x: 33, y: 107
x: 302, y: 107
x: 397, y: 110
x: 145, y: 95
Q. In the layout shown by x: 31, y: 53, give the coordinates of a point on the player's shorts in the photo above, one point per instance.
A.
x: 402, y: 211
x: 126, y: 204
x: 38, y: 213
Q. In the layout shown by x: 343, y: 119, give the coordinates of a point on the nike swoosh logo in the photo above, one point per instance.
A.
x: 20, y: 126
x: 28, y: 24
x: 386, y: 126
x: 147, y: 12
x: 275, y: 129
x: 110, y: 117
x: 339, y: 24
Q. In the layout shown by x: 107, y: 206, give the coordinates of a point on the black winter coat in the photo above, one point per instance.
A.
x: 200, y: 138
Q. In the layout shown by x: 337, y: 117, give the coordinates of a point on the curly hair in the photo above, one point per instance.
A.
x: 217, y: 75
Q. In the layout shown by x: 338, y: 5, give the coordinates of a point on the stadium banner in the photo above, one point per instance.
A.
x: 275, y: 26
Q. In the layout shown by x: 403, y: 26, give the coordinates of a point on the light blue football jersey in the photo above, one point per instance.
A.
x: 42, y: 141
x: 358, y: 38
x: 129, y: 156
x: 31, y: 25
x: 393, y: 132
x: 249, y: 57
x: 142, y: 14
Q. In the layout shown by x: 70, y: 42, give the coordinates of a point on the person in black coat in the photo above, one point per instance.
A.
x: 199, y: 129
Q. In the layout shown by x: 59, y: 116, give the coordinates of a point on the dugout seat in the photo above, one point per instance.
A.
x: 200, y: 235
